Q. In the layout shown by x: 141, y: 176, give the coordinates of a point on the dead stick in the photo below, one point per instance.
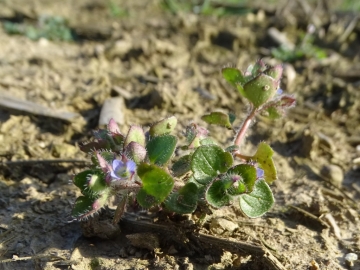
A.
x: 43, y: 161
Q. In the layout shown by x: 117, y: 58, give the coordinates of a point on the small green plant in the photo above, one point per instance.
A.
x: 116, y: 11
x: 208, y: 7
x: 305, y: 49
x: 143, y: 163
x: 52, y: 28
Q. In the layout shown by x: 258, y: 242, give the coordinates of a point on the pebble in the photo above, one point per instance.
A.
x: 221, y: 225
x: 112, y: 108
x: 350, y: 258
x: 333, y: 173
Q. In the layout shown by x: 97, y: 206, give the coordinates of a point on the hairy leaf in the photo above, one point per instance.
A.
x: 207, y: 161
x: 263, y: 156
x: 184, y: 201
x: 163, y: 127
x: 161, y: 148
x: 157, y: 184
x: 258, y: 202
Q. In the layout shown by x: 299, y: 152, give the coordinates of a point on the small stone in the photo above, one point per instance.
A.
x: 112, y: 108
x: 222, y: 225
x: 148, y: 241
x: 333, y: 173
x: 350, y: 258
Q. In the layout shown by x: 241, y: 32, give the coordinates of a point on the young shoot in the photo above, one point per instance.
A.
x: 144, y: 163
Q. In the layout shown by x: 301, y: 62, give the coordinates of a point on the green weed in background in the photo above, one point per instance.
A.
x: 50, y: 27
x: 116, y: 11
x: 305, y: 49
x: 207, y: 7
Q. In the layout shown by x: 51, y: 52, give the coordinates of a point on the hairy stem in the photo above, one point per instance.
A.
x: 245, y: 126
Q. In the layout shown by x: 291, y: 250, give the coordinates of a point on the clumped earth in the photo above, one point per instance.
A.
x: 156, y: 63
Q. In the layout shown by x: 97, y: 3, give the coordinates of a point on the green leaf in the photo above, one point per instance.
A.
x: 232, y: 117
x: 89, y: 147
x: 260, y: 89
x: 107, y: 155
x: 217, y: 118
x: 232, y: 148
x: 207, y: 141
x: 259, y: 67
x: 207, y: 161
x: 80, y: 179
x: 85, y: 206
x: 156, y: 185
x: 274, y: 72
x: 258, y: 202
x: 161, y: 148
x: 248, y: 174
x: 233, y: 76
x: 217, y: 195
x: 184, y: 201
x: 194, y: 134
x: 135, y: 134
x: 82, y: 205
x: 263, y: 156
x: 146, y: 200
x: 96, y: 183
x: 274, y: 113
x: 90, y: 182
x: 181, y: 166
x: 163, y: 127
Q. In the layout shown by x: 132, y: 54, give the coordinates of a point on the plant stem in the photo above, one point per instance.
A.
x: 246, y: 124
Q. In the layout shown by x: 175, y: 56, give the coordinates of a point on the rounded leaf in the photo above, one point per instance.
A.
x: 207, y: 161
x: 83, y: 205
x: 263, y: 156
x: 163, y: 127
x: 135, y: 134
x: 96, y: 183
x: 86, y: 206
x: 260, y: 89
x: 156, y: 184
x: 233, y: 76
x: 181, y: 166
x: 216, y: 195
x: 218, y: 118
x: 247, y: 173
x: 161, y: 148
x: 90, y: 182
x: 135, y: 152
x: 184, y: 201
x: 258, y: 202
x: 146, y: 200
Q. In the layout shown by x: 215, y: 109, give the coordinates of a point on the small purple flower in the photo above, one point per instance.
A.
x: 259, y: 173
x: 279, y: 92
x: 122, y: 170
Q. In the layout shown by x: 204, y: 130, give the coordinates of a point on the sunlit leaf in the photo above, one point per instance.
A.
x: 217, y: 195
x: 163, y: 127
x: 258, y: 202
x: 156, y: 184
x: 248, y: 174
x: 161, y: 148
x: 217, y: 118
x: 263, y: 156
x: 207, y: 161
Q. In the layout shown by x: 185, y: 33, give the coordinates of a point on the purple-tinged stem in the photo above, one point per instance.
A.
x: 246, y: 124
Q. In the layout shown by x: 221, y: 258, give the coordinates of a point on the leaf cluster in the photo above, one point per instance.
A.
x: 205, y: 172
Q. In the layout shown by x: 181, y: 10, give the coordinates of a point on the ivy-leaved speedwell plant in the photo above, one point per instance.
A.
x: 143, y: 163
